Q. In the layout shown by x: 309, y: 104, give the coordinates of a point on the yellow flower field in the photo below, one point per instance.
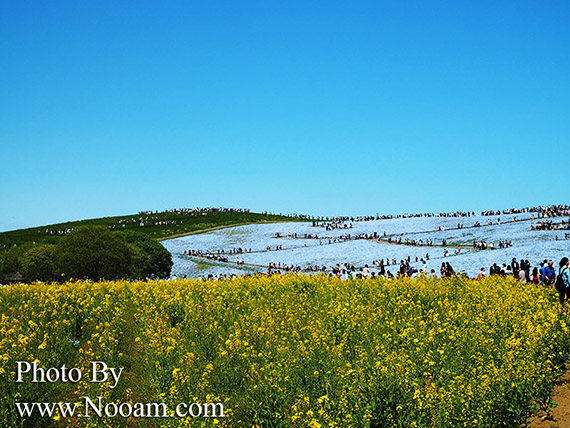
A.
x: 288, y: 351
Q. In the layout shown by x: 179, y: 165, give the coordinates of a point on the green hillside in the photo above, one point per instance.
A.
x: 157, y: 225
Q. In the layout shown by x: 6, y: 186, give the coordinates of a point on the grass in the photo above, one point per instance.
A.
x: 173, y: 224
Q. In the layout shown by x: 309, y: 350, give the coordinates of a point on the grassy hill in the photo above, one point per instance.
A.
x: 157, y: 225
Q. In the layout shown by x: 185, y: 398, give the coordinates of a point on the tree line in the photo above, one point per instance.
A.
x: 89, y: 252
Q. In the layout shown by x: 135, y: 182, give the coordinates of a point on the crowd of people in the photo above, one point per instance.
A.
x: 156, y: 218
x: 520, y: 270
x: 64, y: 231
x: 218, y: 256
x: 546, y: 275
x: 408, y: 259
x: 330, y: 239
x: 483, y: 245
x: 277, y: 248
x: 347, y: 271
x: 550, y: 225
x: 346, y: 222
x: 145, y: 221
x: 412, y: 242
x: 388, y: 268
x: 278, y: 267
x: 515, y: 269
x: 196, y: 211
x: 540, y: 211
x: 231, y: 251
x: 333, y: 225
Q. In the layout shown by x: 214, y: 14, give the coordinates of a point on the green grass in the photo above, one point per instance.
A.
x: 184, y: 224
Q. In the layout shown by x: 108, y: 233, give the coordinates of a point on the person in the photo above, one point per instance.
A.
x: 549, y: 273
x: 449, y: 270
x: 443, y: 270
x: 542, y: 275
x: 481, y: 274
x: 515, y: 267
x: 522, y: 276
x: 534, y: 276
x: 564, y: 276
x: 526, y: 270
x: 366, y: 271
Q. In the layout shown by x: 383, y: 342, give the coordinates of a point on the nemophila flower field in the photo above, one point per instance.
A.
x: 291, y: 351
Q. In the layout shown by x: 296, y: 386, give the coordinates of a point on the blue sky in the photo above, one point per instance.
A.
x: 325, y: 108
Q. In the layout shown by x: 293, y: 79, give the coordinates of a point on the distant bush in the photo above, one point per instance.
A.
x: 38, y: 263
x: 90, y: 252
x: 149, y: 257
x: 95, y: 253
x: 10, y: 259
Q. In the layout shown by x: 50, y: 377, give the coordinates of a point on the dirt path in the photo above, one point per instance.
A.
x: 559, y: 416
x: 385, y: 241
x: 228, y: 262
x: 134, y: 383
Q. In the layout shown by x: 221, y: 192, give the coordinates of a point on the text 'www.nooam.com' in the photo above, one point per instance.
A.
x: 87, y: 408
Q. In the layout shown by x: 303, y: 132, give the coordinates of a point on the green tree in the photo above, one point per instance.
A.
x: 93, y: 252
x: 38, y: 263
x: 10, y: 259
x: 149, y: 257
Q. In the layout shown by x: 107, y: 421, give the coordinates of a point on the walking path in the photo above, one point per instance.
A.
x: 228, y: 262
x: 381, y: 240
x: 558, y: 416
x: 385, y: 241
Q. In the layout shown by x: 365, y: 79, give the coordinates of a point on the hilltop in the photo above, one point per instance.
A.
x: 159, y: 225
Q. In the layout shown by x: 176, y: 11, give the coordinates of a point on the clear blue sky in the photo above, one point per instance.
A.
x: 325, y: 108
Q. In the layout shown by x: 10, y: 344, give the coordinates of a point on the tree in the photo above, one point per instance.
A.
x: 149, y: 257
x: 38, y: 263
x: 93, y: 252
x: 10, y: 259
